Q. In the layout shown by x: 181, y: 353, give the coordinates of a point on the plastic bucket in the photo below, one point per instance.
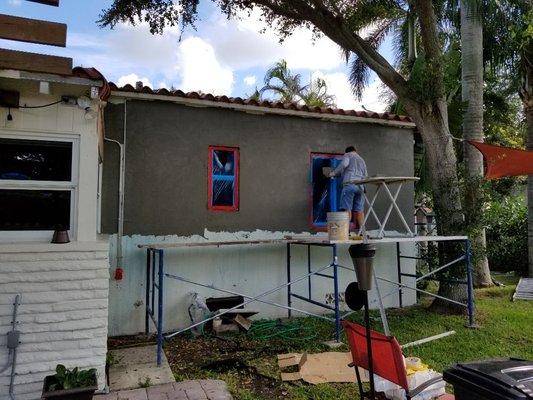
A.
x: 338, y: 225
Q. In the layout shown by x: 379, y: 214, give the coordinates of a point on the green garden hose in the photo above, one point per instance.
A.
x: 268, y: 329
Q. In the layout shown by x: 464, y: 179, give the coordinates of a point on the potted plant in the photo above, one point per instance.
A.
x: 68, y: 384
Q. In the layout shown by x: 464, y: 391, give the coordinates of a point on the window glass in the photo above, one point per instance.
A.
x: 223, y: 183
x: 325, y: 192
x: 35, y: 160
x: 34, y: 210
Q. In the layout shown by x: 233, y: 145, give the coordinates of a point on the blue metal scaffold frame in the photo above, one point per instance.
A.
x: 155, y: 276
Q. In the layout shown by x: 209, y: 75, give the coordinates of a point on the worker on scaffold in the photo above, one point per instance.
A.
x: 352, y: 168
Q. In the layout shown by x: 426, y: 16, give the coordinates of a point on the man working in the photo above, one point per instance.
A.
x: 352, y: 168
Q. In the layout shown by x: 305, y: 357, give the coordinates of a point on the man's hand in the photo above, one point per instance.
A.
x: 332, y: 174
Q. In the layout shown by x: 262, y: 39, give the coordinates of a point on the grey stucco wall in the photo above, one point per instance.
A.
x: 166, y: 166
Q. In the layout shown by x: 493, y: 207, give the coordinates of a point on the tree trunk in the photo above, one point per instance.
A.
x: 432, y: 123
x: 472, y: 95
x: 526, y: 94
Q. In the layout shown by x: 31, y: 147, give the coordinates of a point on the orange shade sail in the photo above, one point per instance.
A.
x: 504, y: 161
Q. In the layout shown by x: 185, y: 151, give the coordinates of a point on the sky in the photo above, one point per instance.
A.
x: 223, y: 57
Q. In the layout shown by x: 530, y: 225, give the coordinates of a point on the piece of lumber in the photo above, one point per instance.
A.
x: 32, y: 30
x: 243, y: 322
x: 33, y: 62
x: 428, y: 339
x: 54, y: 3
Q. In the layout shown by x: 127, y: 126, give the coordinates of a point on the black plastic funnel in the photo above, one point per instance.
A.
x: 363, y: 261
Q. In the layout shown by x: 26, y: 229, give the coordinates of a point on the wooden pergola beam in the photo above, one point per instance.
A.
x: 33, y: 62
x: 32, y: 30
x: 54, y: 3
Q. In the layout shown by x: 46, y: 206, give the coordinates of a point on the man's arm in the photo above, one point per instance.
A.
x: 341, y: 167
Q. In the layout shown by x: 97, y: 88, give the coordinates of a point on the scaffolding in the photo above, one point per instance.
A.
x: 155, y: 279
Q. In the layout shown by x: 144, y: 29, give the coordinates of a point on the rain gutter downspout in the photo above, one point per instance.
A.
x: 121, y: 184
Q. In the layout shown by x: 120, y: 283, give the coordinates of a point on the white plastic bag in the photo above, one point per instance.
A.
x: 198, y: 311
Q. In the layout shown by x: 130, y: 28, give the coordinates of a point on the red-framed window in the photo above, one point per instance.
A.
x: 324, y: 192
x: 223, y: 178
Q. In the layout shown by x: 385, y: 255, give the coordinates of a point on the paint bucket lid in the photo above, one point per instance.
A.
x: 338, y: 216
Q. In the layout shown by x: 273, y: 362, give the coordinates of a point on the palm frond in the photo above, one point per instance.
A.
x: 359, y: 71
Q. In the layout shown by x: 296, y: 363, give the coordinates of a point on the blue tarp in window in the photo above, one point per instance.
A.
x: 325, y: 191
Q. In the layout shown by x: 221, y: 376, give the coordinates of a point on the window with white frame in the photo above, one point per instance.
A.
x: 38, y: 184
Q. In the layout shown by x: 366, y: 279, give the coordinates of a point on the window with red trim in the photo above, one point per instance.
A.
x: 223, y: 178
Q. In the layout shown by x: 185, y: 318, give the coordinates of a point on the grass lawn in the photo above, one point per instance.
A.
x: 249, y: 365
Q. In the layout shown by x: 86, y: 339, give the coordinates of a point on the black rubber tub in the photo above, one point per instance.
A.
x: 507, y: 379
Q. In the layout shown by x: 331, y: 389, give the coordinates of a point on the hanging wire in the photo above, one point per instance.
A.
x: 44, y: 105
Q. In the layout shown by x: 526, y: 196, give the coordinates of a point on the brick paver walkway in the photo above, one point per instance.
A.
x: 187, y: 390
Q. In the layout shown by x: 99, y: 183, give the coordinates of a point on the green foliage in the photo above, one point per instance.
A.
x: 66, y: 379
x: 288, y: 88
x: 146, y: 383
x: 506, y: 224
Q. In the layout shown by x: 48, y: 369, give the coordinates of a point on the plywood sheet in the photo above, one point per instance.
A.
x: 319, y: 368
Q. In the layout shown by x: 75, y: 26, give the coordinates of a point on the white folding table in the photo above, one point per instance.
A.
x: 383, y: 184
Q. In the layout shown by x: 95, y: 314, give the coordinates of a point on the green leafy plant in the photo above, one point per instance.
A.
x: 506, y: 223
x: 146, y: 383
x: 66, y: 379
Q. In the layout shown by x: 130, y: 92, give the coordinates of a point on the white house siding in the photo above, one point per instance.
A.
x: 63, y: 312
x: 249, y: 269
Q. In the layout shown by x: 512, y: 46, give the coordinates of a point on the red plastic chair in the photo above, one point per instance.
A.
x: 387, y: 359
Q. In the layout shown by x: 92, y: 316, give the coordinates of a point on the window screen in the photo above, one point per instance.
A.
x: 223, y: 178
x: 325, y: 192
x: 35, y: 160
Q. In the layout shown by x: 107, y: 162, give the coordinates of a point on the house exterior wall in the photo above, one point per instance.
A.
x: 249, y: 269
x: 166, y: 167
x: 166, y: 200
x: 63, y: 313
x: 64, y: 287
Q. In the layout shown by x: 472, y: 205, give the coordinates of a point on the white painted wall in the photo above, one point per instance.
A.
x: 248, y: 269
x: 63, y: 314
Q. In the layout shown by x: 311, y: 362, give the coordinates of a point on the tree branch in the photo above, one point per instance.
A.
x: 335, y: 28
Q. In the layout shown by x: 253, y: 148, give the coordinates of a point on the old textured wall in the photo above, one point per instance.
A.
x: 166, y: 166
x: 166, y: 200
x: 63, y: 313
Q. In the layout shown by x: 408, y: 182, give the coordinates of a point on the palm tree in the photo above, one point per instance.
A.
x: 472, y: 96
x: 288, y: 87
x: 316, y: 94
x: 282, y: 83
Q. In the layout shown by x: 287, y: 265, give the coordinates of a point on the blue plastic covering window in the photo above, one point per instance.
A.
x: 325, y: 191
x: 223, y: 174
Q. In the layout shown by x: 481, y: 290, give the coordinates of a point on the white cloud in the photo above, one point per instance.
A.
x: 339, y: 86
x: 250, y: 80
x: 240, y: 45
x: 199, y: 68
x: 132, y: 79
x: 15, y: 2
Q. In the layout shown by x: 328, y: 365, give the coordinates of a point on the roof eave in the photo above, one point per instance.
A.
x: 260, y: 110
x: 42, y: 77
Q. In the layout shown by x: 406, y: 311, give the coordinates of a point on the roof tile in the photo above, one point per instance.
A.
x: 261, y: 103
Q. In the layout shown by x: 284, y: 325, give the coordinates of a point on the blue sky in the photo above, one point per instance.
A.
x: 220, y: 57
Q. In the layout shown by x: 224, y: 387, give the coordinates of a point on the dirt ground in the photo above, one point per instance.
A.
x: 247, y: 364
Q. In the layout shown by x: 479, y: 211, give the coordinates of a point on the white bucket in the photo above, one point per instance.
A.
x: 338, y: 225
